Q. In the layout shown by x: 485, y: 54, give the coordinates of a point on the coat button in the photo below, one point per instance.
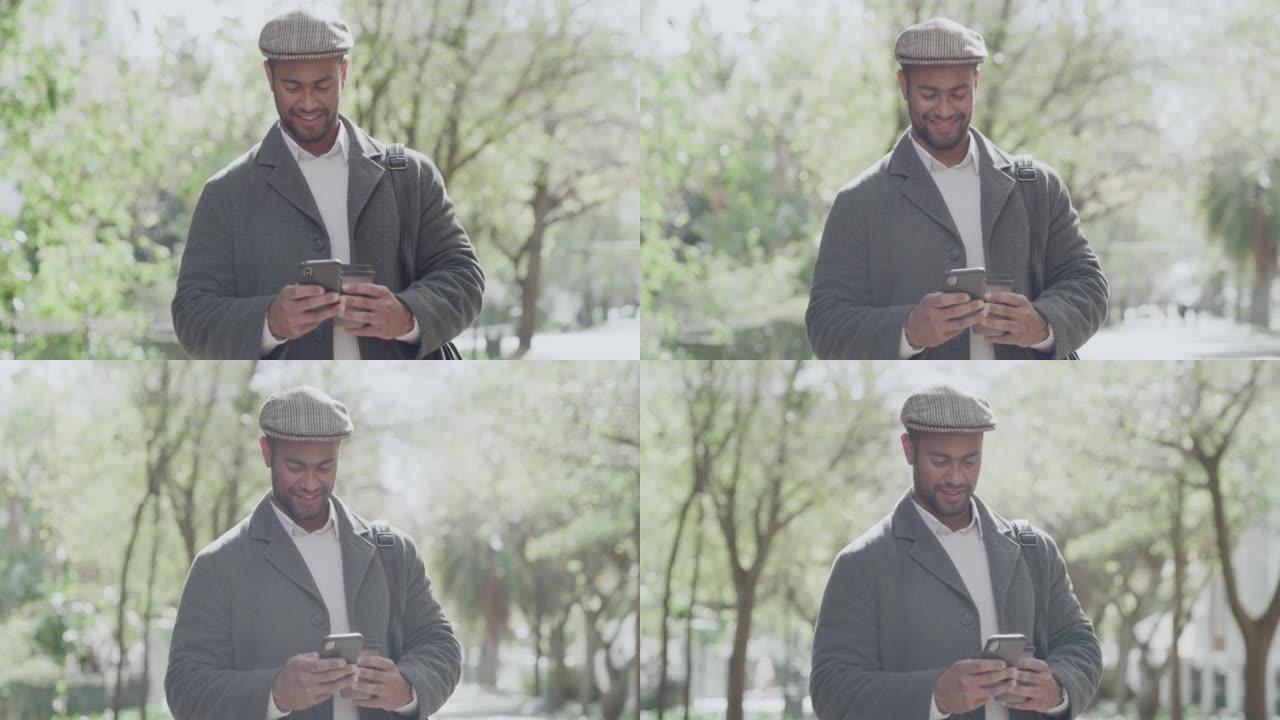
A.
x: 954, y: 254
x: 318, y: 243
x: 966, y: 619
x: 317, y: 619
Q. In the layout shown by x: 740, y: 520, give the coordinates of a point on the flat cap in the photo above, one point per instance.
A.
x: 939, y: 41
x: 304, y: 413
x: 943, y: 408
x: 304, y: 35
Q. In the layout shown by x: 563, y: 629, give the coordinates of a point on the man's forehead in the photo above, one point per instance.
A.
x: 308, y: 70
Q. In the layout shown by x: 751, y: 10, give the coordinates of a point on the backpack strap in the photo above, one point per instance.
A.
x: 393, y: 566
x: 1032, y: 553
x: 393, y: 155
x: 1024, y: 171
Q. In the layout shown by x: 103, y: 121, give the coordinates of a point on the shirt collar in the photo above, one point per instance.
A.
x: 339, y: 145
x: 970, y: 161
x: 292, y: 529
x: 935, y: 525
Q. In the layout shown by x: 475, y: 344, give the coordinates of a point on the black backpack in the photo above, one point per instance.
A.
x: 1025, y: 172
x: 397, y: 162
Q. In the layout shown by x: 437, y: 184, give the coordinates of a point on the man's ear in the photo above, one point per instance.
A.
x: 908, y: 450
x: 271, y: 81
x: 342, y: 72
x: 977, y: 74
x: 266, y: 450
x: 902, y: 83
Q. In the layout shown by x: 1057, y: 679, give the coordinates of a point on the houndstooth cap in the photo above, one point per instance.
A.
x: 939, y: 41
x: 304, y: 35
x: 304, y: 413
x: 943, y: 408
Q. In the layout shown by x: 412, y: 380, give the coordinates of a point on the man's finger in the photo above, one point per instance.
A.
x: 305, y: 290
x: 1007, y: 298
x: 378, y: 662
x: 946, y: 299
x: 365, y: 289
x: 314, y: 301
x: 334, y: 678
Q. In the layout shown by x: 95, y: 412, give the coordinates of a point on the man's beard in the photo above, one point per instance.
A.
x: 286, y: 503
x: 924, y: 132
x: 330, y: 119
x: 927, y: 497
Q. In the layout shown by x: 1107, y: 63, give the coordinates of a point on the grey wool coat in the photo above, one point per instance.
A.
x: 257, y: 219
x: 250, y: 603
x: 896, y: 614
x: 889, y: 240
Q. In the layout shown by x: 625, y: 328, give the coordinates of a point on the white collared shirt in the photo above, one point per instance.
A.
x: 961, y: 188
x: 321, y: 550
x: 969, y: 555
x: 327, y: 177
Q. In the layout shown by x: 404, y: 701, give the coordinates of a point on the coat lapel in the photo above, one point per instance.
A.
x: 285, y: 176
x: 280, y: 551
x: 995, y: 185
x: 365, y: 168
x: 925, y: 548
x: 1002, y: 557
x: 918, y: 186
x: 357, y: 553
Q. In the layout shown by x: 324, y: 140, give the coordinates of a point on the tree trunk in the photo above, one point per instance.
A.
x: 559, y: 683
x: 531, y: 286
x: 537, y: 649
x: 1179, y: 587
x: 149, y: 609
x: 495, y: 626
x: 1257, y: 645
x: 664, y: 631
x: 745, y: 587
x: 693, y: 604
x: 117, y: 698
x: 587, y: 681
x: 1264, y: 269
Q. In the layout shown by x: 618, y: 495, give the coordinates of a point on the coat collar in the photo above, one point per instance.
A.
x: 364, y: 168
x: 354, y: 539
x: 1003, y: 551
x: 995, y: 182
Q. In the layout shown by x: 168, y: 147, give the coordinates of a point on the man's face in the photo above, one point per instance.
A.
x: 302, y: 478
x: 940, y: 102
x: 945, y: 469
x: 307, y: 94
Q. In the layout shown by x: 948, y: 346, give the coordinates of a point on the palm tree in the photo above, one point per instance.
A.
x: 1241, y: 203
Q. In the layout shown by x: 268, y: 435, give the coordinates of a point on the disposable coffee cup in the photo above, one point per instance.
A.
x: 996, y: 282
x: 370, y: 649
x: 354, y: 274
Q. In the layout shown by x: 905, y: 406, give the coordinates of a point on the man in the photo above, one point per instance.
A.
x: 910, y: 604
x: 260, y: 599
x: 947, y: 198
x: 319, y: 187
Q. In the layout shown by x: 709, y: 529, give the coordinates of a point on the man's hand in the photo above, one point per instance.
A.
x: 1037, y: 685
x: 381, y: 678
x: 1017, y: 318
x: 299, y: 309
x: 938, y: 317
x: 306, y: 680
x: 969, y: 684
x: 381, y: 313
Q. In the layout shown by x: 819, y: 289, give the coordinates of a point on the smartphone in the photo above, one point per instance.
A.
x: 1009, y: 648
x: 972, y: 281
x: 346, y: 646
x: 325, y: 273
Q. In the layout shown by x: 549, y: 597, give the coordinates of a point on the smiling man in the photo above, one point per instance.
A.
x: 260, y: 600
x: 318, y: 187
x: 910, y: 604
x: 947, y: 198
